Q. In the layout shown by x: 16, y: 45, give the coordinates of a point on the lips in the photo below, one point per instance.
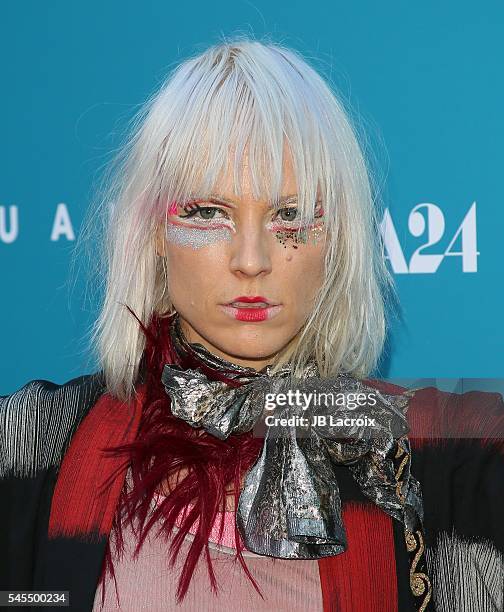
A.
x: 255, y: 301
x: 251, y: 309
x: 249, y: 304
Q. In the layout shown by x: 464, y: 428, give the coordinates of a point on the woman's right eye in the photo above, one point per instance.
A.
x: 204, y: 212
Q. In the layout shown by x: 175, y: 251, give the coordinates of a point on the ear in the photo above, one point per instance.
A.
x: 160, y: 240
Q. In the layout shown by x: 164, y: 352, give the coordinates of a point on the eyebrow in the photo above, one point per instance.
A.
x: 289, y: 199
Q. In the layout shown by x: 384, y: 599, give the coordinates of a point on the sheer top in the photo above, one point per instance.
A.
x: 148, y: 583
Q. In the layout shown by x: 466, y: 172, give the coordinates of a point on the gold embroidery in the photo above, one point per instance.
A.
x: 419, y: 581
x: 399, y: 493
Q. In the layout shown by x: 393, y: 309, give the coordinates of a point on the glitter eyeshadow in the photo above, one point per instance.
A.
x: 196, y: 238
x: 295, y: 238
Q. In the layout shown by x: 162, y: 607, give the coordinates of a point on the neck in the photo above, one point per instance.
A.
x: 192, y: 336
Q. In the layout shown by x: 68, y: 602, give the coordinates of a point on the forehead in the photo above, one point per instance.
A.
x: 240, y: 178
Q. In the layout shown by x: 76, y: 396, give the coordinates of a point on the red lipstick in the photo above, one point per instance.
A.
x: 250, y: 299
x: 251, y: 309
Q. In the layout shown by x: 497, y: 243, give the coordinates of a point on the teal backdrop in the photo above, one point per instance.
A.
x: 425, y: 80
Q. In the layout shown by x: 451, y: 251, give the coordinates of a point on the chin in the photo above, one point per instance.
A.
x: 253, y: 341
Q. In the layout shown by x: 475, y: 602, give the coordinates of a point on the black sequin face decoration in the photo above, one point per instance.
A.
x: 293, y: 238
x: 289, y: 232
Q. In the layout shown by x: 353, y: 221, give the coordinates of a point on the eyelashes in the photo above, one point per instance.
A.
x: 285, y: 217
x: 193, y: 209
x: 282, y: 223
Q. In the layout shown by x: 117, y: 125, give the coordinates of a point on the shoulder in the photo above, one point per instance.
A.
x: 457, y: 440
x: 38, y: 420
x: 459, y: 459
x: 435, y: 415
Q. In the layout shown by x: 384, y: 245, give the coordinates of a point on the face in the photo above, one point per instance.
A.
x: 240, y: 275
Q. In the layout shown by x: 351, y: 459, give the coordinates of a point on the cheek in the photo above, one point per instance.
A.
x: 303, y: 274
x: 192, y: 272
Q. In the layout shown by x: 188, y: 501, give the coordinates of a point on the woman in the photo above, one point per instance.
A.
x: 243, y: 262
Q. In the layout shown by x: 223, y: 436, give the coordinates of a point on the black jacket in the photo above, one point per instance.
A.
x: 462, y: 481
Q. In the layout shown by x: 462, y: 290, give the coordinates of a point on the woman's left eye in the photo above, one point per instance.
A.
x: 287, y: 214
x: 290, y: 213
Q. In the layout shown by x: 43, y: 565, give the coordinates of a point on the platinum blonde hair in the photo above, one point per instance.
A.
x: 237, y: 94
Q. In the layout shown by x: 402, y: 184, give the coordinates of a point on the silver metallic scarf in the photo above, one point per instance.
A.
x: 290, y: 506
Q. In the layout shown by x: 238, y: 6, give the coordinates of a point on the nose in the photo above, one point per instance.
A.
x: 250, y: 252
